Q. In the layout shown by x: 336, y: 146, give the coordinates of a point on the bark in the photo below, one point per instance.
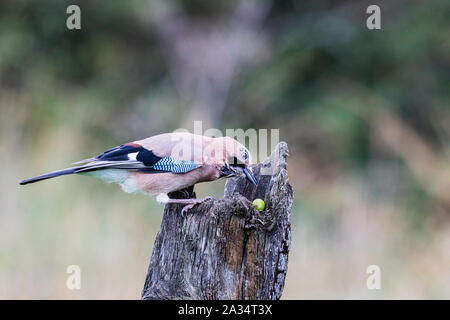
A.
x: 225, y: 248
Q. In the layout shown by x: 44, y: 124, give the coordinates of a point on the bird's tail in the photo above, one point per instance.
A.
x: 94, y: 165
x: 49, y: 175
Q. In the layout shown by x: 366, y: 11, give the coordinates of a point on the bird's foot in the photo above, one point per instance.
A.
x: 189, y: 203
x: 193, y: 204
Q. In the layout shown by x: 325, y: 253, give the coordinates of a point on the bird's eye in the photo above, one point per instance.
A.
x: 244, y: 154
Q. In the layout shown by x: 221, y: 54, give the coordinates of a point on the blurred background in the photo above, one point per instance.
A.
x: 365, y: 113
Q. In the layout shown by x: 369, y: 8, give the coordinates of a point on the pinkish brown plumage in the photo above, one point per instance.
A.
x: 165, y: 163
x: 166, y: 182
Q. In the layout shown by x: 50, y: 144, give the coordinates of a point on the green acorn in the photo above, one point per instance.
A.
x: 259, y: 204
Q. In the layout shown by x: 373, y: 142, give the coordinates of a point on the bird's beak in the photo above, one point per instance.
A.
x: 230, y: 171
x: 226, y: 171
x: 250, y: 175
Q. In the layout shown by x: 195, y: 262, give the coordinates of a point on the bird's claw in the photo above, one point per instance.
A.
x: 190, y: 206
x: 186, y: 208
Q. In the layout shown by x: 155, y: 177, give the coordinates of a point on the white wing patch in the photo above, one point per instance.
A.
x: 132, y: 156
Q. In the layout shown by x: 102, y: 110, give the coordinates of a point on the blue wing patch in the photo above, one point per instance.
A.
x: 173, y: 165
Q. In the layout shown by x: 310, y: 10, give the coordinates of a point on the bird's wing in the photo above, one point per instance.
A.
x: 133, y: 156
x: 98, y: 164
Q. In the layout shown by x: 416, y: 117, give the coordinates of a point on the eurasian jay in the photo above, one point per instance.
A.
x: 165, y: 163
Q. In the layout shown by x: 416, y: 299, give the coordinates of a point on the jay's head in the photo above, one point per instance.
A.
x: 237, y: 160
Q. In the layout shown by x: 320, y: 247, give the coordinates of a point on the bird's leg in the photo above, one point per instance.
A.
x: 189, y: 203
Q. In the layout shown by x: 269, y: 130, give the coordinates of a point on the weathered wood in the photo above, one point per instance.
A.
x: 225, y: 249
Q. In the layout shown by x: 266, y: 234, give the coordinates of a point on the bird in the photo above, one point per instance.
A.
x: 165, y: 163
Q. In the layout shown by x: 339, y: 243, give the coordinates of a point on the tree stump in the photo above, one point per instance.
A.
x: 226, y: 249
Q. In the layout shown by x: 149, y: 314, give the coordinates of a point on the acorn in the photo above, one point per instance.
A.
x: 259, y: 204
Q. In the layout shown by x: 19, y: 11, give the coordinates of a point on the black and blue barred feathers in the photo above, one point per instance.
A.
x: 173, y: 165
